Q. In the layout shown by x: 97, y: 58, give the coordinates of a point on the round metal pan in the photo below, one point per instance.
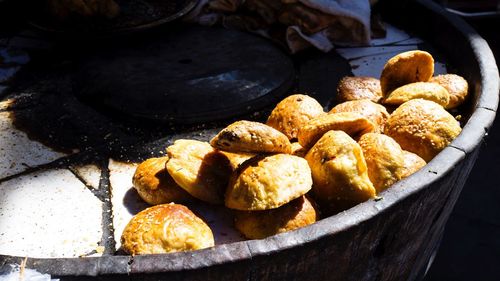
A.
x: 390, y: 238
x: 135, y: 15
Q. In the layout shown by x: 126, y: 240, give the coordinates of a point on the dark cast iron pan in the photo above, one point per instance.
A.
x: 135, y: 15
x: 389, y: 238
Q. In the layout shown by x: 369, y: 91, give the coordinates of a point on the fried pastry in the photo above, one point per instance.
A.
x: 268, y: 182
x: 298, y: 150
x: 155, y: 185
x: 457, y: 87
x: 339, y: 172
x: 372, y: 111
x: 236, y: 159
x: 199, y: 169
x: 294, y: 112
x: 251, y: 137
x: 354, y: 124
x: 406, y: 68
x: 419, y: 90
x: 422, y: 127
x: 261, y: 224
x: 413, y: 163
x: 358, y: 88
x: 166, y: 228
x: 384, y: 159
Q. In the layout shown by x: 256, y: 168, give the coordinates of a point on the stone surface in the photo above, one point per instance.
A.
x: 126, y: 203
x: 372, y: 65
x: 411, y: 41
x: 393, y: 35
x: 90, y: 174
x: 369, y: 61
x: 48, y: 214
x: 356, y: 53
x: 18, y: 151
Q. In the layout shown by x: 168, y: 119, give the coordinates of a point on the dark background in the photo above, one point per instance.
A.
x: 470, y: 249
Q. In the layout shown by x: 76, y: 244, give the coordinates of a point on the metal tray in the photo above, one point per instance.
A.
x: 392, y: 238
x: 135, y: 15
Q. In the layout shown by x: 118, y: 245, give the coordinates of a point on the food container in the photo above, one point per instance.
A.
x: 389, y: 238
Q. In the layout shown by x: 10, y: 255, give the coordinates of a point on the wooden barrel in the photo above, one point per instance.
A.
x: 391, y: 238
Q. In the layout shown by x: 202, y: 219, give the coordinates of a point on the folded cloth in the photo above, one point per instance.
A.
x: 304, y: 23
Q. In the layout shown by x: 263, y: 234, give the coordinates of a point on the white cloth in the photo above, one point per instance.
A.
x: 15, y: 274
x: 353, y: 15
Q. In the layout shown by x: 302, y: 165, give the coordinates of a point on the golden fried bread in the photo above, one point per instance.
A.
x: 199, y: 169
x: 155, y: 185
x: 268, y: 182
x: 372, y: 111
x: 261, y: 224
x: 422, y: 127
x: 406, y: 68
x: 354, y: 124
x: 419, y: 90
x: 457, y: 87
x: 413, y: 163
x: 252, y: 137
x: 292, y: 113
x: 298, y: 150
x: 166, y: 228
x: 358, y: 88
x: 384, y: 159
x: 339, y: 172
x: 236, y: 159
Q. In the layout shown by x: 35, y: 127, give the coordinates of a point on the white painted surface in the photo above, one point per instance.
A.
x: 90, y: 174
x: 356, y: 53
x: 25, y: 274
x: 372, y: 65
x: 126, y: 202
x: 411, y: 41
x: 18, y: 152
x: 393, y: 35
x: 47, y: 215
